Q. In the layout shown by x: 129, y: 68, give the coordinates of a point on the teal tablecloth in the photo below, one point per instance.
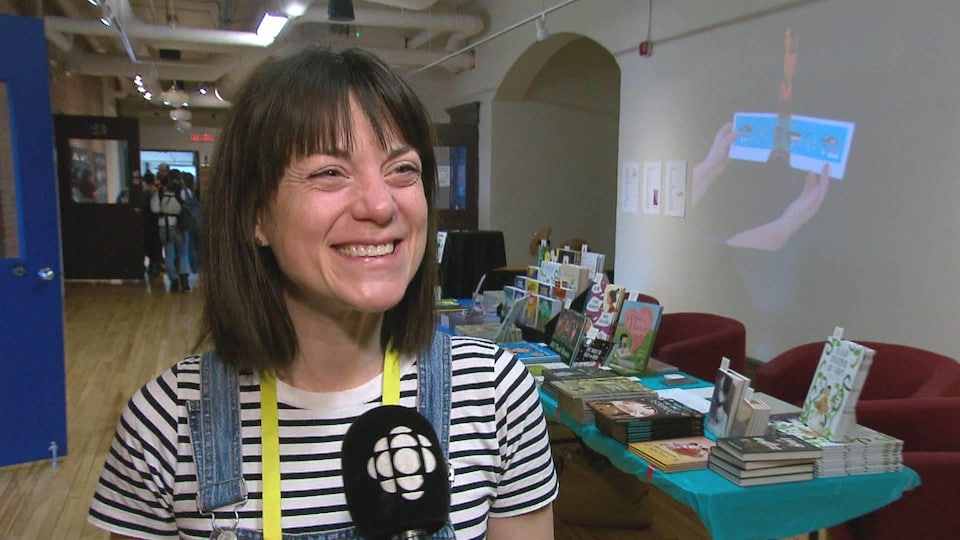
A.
x: 730, y: 512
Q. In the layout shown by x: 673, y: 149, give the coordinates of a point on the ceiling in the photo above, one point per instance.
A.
x: 210, y: 45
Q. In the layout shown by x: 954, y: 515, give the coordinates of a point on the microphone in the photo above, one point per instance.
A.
x: 394, y: 475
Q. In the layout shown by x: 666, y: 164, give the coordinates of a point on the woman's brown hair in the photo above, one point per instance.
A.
x: 289, y: 108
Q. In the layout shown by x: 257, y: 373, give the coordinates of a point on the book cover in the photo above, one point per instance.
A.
x: 678, y: 454
x: 568, y: 333
x: 777, y: 469
x: 728, y: 392
x: 532, y: 353
x: 593, y: 351
x: 644, y: 409
x: 603, y: 305
x: 574, y: 277
x: 572, y: 373
x: 772, y: 446
x: 829, y: 405
x: 760, y: 480
x: 633, y: 339
x: 719, y: 453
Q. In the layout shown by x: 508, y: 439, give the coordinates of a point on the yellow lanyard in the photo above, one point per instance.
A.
x: 270, y: 441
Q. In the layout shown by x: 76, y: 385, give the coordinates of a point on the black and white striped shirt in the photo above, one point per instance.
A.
x: 499, y: 450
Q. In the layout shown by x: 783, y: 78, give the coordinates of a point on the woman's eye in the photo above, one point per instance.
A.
x: 404, y: 175
x: 328, y: 178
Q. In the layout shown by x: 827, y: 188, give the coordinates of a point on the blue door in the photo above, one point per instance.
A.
x: 33, y: 416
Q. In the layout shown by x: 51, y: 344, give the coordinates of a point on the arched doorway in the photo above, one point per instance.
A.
x: 554, y: 146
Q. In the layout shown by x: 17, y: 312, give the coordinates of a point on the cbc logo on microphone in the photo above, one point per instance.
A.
x: 400, y: 462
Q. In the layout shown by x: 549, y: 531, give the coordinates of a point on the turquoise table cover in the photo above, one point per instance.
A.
x: 730, y: 512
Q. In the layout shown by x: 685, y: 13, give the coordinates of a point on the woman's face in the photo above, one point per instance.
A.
x: 349, y: 230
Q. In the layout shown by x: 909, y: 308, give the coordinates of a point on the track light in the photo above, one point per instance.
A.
x: 271, y: 25
x: 541, y: 24
x: 340, y: 11
x: 106, y: 15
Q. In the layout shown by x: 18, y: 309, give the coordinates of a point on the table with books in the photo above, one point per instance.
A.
x: 763, y: 511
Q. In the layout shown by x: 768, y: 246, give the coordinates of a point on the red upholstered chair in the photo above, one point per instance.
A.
x: 898, y: 371
x: 930, y: 430
x: 696, y: 342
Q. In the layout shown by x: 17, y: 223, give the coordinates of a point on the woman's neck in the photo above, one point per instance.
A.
x: 335, y: 354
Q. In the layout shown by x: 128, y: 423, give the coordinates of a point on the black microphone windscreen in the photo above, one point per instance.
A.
x: 394, y: 474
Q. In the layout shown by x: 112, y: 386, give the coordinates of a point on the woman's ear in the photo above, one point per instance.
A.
x: 259, y: 238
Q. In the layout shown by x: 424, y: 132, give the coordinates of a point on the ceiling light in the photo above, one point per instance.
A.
x: 271, y: 25
x: 174, y: 97
x: 94, y: 3
x: 340, y: 11
x: 106, y: 15
x: 295, y: 8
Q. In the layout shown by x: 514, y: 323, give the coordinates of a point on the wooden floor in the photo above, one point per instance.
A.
x: 117, y: 338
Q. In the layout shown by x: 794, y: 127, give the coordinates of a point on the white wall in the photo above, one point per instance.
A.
x: 879, y: 256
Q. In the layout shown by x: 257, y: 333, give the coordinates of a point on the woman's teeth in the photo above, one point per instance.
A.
x: 372, y: 250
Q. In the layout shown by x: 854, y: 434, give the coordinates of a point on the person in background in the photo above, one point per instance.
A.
x: 151, y: 229
x: 319, y: 263
x: 166, y: 205
x: 191, y: 232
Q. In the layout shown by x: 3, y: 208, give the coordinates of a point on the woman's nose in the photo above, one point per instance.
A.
x: 374, y: 199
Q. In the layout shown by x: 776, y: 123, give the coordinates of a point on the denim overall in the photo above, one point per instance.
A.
x: 215, y: 435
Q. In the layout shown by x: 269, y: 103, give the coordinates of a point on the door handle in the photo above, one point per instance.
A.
x: 46, y: 274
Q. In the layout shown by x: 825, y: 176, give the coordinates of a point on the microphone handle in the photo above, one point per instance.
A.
x: 416, y: 534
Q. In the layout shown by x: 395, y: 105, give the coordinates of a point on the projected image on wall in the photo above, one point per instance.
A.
x: 818, y: 146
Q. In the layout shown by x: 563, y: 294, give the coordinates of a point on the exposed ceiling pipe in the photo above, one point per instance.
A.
x: 462, y: 26
x: 137, y: 30
x: 421, y: 39
x: 70, y: 9
x: 406, y: 4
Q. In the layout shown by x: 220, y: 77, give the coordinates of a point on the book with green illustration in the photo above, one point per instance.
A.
x: 837, y: 382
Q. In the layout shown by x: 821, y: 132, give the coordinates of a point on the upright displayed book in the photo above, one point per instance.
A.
x: 679, y: 454
x: 633, y: 339
x: 837, y: 382
x: 728, y: 392
x: 568, y: 333
x: 646, y: 419
x: 602, y: 307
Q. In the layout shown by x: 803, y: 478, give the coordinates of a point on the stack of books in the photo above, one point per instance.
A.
x: 862, y: 451
x: 679, y: 454
x: 531, y: 353
x: 773, y: 458
x: 552, y: 375
x: 646, y: 419
x: 574, y: 395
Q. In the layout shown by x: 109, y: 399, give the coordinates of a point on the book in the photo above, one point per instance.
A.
x: 573, y: 373
x: 759, y: 480
x: 529, y: 352
x: 722, y: 454
x: 646, y: 418
x: 593, y: 351
x: 837, y: 382
x: 728, y: 392
x: 573, y: 395
x: 678, y: 454
x: 751, y: 419
x: 634, y: 335
x: 568, y: 333
x: 602, y: 306
x: 777, y: 468
x: 774, y: 445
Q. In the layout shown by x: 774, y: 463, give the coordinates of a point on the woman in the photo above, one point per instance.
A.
x: 318, y: 255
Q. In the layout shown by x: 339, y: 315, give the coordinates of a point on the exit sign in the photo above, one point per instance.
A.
x: 202, y: 137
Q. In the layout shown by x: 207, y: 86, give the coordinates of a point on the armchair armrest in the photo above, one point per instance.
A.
x: 924, y: 424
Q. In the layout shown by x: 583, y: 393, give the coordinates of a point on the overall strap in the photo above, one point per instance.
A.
x: 215, y: 435
x: 435, y: 380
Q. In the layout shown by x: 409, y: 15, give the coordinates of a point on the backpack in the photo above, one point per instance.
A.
x: 189, y: 219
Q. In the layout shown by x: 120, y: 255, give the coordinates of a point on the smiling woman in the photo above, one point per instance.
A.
x: 319, y: 264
